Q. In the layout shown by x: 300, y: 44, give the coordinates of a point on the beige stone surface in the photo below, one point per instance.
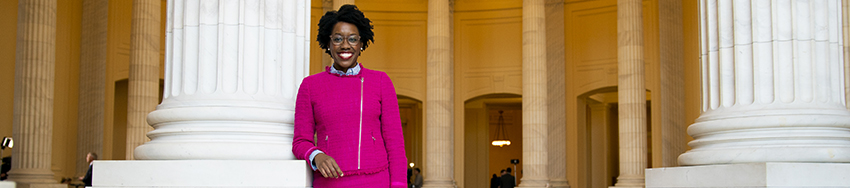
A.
x: 534, y: 96
x: 672, y: 93
x: 439, y: 159
x: 34, y: 88
x: 557, y: 171
x: 144, y: 76
x: 631, y: 94
x: 92, y: 82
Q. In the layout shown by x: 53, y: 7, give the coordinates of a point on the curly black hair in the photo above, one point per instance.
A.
x: 349, y: 14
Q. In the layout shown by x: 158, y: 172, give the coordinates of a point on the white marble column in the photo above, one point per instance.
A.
x: 556, y: 87
x: 672, y: 92
x: 439, y: 103
x: 144, y: 72
x: 534, y: 103
x: 232, y: 72
x: 846, y: 24
x: 631, y: 89
x: 92, y: 97
x: 772, y: 84
x: 32, y: 119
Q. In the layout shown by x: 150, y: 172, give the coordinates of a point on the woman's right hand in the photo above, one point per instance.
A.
x: 327, y: 166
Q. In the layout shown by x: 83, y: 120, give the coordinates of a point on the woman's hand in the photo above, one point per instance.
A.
x: 327, y: 166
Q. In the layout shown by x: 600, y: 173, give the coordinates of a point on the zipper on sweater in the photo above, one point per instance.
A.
x: 360, y: 135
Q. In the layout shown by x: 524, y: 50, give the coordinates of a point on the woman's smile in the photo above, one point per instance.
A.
x: 345, y: 55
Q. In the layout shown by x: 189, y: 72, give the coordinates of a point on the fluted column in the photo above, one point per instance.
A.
x: 555, y: 71
x: 32, y: 119
x: 144, y: 72
x: 439, y: 103
x: 92, y: 97
x: 846, y: 24
x: 772, y: 84
x: 631, y: 89
x: 672, y: 92
x: 232, y: 72
x: 534, y: 103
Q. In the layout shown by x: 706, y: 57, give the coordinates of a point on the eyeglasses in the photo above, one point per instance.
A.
x: 352, y: 39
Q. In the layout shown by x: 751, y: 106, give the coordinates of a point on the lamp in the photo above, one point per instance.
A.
x: 7, y: 143
x: 501, y: 139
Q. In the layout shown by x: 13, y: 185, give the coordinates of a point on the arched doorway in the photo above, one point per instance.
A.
x: 599, y: 111
x: 481, y: 159
x: 411, y: 114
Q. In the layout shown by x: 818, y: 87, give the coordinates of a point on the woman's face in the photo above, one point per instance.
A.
x: 345, y: 45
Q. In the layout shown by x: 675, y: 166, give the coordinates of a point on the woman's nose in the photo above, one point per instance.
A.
x: 344, y: 45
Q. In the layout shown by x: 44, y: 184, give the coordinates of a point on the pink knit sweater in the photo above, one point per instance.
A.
x: 356, y: 121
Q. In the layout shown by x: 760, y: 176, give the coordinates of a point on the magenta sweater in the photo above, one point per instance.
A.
x: 356, y: 121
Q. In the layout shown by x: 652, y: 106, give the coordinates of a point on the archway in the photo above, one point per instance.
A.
x: 481, y: 159
x: 411, y: 114
x: 598, y: 113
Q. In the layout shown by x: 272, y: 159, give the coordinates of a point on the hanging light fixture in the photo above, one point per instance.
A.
x: 501, y: 139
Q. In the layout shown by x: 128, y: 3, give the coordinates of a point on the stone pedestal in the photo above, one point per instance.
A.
x: 231, y: 75
x: 751, y: 175
x: 203, y: 173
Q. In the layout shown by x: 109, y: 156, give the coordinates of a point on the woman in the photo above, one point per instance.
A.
x: 353, y: 112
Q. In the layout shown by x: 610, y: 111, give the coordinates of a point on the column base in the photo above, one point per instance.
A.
x: 439, y: 184
x: 202, y: 173
x: 537, y: 183
x: 761, y: 175
x: 36, y: 185
x: 559, y: 183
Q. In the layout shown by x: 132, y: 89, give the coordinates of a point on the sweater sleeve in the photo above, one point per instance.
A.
x: 392, y: 133
x: 302, y: 140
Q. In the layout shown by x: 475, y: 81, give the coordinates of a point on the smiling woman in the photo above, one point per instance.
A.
x: 353, y: 111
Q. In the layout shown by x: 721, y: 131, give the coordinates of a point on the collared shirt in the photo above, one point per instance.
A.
x: 350, y: 72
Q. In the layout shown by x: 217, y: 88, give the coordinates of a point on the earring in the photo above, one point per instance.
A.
x: 361, y: 49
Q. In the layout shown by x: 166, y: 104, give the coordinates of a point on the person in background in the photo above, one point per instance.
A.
x: 88, y: 177
x: 353, y: 111
x: 417, y: 182
x: 495, y: 182
x: 508, y: 180
x: 4, y: 169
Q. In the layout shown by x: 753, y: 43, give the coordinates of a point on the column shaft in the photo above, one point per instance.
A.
x: 92, y: 97
x: 32, y: 123
x: 846, y: 24
x: 631, y: 89
x: 232, y: 72
x: 555, y: 71
x: 768, y: 78
x: 439, y: 103
x: 144, y: 72
x: 534, y: 101
x: 672, y: 91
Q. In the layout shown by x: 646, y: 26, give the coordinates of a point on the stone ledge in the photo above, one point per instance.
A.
x: 761, y: 175
x: 202, y: 173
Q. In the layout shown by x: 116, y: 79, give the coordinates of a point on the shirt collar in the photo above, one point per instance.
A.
x: 350, y: 72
